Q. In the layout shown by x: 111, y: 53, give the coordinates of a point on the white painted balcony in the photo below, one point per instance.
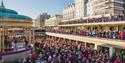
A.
x: 99, y: 41
x: 99, y: 23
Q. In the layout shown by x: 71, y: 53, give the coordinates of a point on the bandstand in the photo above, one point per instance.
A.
x: 13, y: 27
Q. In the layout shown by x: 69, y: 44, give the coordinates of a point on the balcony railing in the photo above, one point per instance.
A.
x: 117, y: 35
x: 95, y: 20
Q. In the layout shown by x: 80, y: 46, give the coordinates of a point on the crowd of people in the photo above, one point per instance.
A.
x: 112, y: 34
x: 57, y: 50
x: 96, y: 20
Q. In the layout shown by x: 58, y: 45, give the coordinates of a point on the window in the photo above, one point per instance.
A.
x: 118, y: 4
x: 120, y: 0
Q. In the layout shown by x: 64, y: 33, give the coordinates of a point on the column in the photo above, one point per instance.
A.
x: 0, y: 39
x: 3, y: 35
x: 96, y: 46
x: 111, y: 51
x: 32, y: 39
x: 117, y: 28
x: 26, y: 34
x: 85, y: 44
x: 92, y: 28
x: 33, y: 36
x: 30, y: 36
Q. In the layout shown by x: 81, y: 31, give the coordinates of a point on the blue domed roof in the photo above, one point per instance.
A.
x: 8, y: 13
x: 14, y: 16
x: 4, y: 10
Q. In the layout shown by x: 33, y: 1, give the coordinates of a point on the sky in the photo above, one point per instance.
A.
x: 33, y: 8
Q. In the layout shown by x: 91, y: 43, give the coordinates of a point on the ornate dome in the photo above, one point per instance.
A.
x: 14, y: 16
x: 8, y: 13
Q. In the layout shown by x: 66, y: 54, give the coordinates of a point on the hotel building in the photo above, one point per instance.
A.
x: 86, y: 8
x: 40, y: 20
x: 53, y: 21
x: 69, y: 12
x: 113, y: 7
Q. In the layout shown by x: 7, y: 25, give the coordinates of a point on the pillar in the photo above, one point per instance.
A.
x: 92, y: 28
x: 95, y: 46
x: 3, y: 36
x: 30, y: 37
x: 33, y: 36
x: 85, y: 44
x: 0, y: 39
x: 26, y: 34
x: 111, y: 51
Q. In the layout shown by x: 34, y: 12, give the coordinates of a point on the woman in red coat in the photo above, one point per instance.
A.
x: 121, y: 35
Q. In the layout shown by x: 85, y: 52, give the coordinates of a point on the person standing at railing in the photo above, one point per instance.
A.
x: 93, y: 33
x: 121, y: 33
x: 97, y: 33
x: 105, y: 19
x: 112, y: 34
x: 107, y: 34
x: 81, y: 32
x: 117, y: 34
x: 122, y: 17
x: 116, y: 18
x: 101, y: 33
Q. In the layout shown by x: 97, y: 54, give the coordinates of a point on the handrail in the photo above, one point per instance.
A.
x: 96, y: 20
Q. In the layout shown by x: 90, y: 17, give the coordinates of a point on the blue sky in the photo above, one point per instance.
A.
x: 33, y: 8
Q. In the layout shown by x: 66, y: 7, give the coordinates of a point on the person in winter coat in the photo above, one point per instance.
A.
x: 121, y: 33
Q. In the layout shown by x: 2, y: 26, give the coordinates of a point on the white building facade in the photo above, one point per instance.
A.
x: 53, y: 21
x: 40, y: 20
x: 69, y: 12
x: 87, y: 8
x: 113, y: 7
x: 79, y: 9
